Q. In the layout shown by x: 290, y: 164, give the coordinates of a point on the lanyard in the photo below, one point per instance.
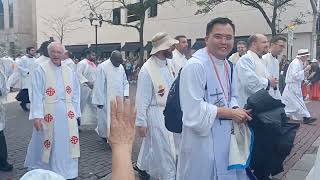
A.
x: 227, y: 94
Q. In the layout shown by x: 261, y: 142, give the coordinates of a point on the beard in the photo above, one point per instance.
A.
x: 168, y: 54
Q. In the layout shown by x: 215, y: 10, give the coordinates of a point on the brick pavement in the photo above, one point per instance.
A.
x: 95, y: 161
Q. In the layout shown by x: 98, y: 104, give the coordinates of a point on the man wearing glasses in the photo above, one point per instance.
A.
x: 277, y: 44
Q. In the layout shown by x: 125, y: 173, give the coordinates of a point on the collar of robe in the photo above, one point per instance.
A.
x: 160, y: 62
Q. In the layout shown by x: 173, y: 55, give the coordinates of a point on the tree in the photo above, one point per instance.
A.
x: 315, y: 4
x: 60, y: 26
x: 277, y: 6
x: 138, y: 10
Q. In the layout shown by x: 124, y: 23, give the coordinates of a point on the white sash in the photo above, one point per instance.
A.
x: 49, y: 107
x: 160, y: 87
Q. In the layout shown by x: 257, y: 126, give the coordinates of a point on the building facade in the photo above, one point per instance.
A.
x: 174, y: 17
x: 16, y: 25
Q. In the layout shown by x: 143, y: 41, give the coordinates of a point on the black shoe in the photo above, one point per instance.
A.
x: 24, y: 107
x: 142, y: 174
x: 6, y: 167
x: 308, y: 120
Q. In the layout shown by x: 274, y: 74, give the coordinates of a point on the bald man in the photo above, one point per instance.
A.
x: 251, y: 72
x: 55, y: 106
x: 111, y: 81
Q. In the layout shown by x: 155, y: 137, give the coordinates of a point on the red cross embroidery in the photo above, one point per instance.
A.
x: 70, y: 114
x: 68, y: 89
x: 47, y: 144
x: 50, y: 91
x: 74, y: 140
x: 48, y: 118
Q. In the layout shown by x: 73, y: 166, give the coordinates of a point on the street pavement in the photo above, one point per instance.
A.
x: 95, y: 161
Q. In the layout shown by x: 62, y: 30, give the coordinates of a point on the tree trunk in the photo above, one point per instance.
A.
x: 141, y: 39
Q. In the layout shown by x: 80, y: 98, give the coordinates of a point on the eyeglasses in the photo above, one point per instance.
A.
x: 280, y: 45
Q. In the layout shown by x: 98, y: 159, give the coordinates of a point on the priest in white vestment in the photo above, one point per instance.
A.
x: 4, y: 165
x: 241, y: 50
x: 55, y: 107
x: 86, y: 71
x: 24, y: 67
x: 68, y: 61
x: 157, y: 152
x: 292, y: 95
x: 111, y: 81
x: 209, y: 106
x: 179, y: 54
x: 252, y: 74
x: 277, y: 44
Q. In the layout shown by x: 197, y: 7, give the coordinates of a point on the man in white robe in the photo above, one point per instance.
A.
x: 252, y: 74
x: 24, y: 67
x: 157, y: 152
x: 209, y: 105
x: 179, y: 54
x: 277, y: 44
x: 68, y: 61
x: 4, y: 165
x: 54, y: 144
x: 111, y: 81
x: 292, y: 95
x: 86, y: 71
x: 241, y: 50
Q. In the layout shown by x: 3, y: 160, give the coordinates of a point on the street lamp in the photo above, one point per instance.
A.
x: 96, y: 21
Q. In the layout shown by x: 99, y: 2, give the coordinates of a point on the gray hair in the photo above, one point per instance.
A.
x: 54, y: 44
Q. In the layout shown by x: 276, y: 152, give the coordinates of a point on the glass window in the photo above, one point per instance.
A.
x: 11, y: 13
x: 1, y: 15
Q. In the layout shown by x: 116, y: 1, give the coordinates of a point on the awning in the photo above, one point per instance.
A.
x: 148, y: 46
x: 77, y: 50
x: 107, y: 47
x: 200, y: 43
x: 131, y: 47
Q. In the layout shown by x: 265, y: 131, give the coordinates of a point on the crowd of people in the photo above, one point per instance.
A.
x: 216, y: 142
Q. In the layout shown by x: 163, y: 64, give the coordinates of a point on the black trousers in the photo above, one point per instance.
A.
x: 3, y: 149
x: 23, y: 96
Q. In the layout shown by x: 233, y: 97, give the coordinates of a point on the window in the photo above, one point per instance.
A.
x: 11, y: 13
x: 116, y: 16
x: 1, y: 15
x: 131, y: 16
x: 153, y: 10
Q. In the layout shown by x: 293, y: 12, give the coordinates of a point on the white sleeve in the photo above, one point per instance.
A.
x: 38, y: 91
x: 198, y: 114
x: 245, y: 72
x: 80, y: 71
x: 143, y: 97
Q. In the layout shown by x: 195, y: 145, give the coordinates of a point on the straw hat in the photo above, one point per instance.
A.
x: 162, y: 41
x: 40, y: 174
x: 303, y: 52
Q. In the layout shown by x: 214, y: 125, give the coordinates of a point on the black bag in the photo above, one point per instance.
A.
x: 172, y: 112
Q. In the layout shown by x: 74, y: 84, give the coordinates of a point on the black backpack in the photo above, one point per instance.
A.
x: 172, y: 112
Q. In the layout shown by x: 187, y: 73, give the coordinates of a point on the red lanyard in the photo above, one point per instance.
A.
x: 228, y: 94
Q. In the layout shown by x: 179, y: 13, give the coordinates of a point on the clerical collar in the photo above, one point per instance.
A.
x: 274, y: 56
x: 29, y: 56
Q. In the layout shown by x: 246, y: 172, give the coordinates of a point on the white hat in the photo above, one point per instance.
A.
x: 314, y: 61
x: 40, y: 174
x: 162, y: 41
x: 303, y: 52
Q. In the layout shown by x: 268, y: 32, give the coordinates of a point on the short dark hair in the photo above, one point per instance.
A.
x: 29, y: 48
x: 89, y: 52
x: 252, y: 39
x: 277, y: 38
x: 180, y: 36
x: 219, y: 20
x: 242, y: 42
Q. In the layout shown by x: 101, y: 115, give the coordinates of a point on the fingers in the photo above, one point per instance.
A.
x: 113, y: 110
x: 119, y: 106
x: 126, y: 114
